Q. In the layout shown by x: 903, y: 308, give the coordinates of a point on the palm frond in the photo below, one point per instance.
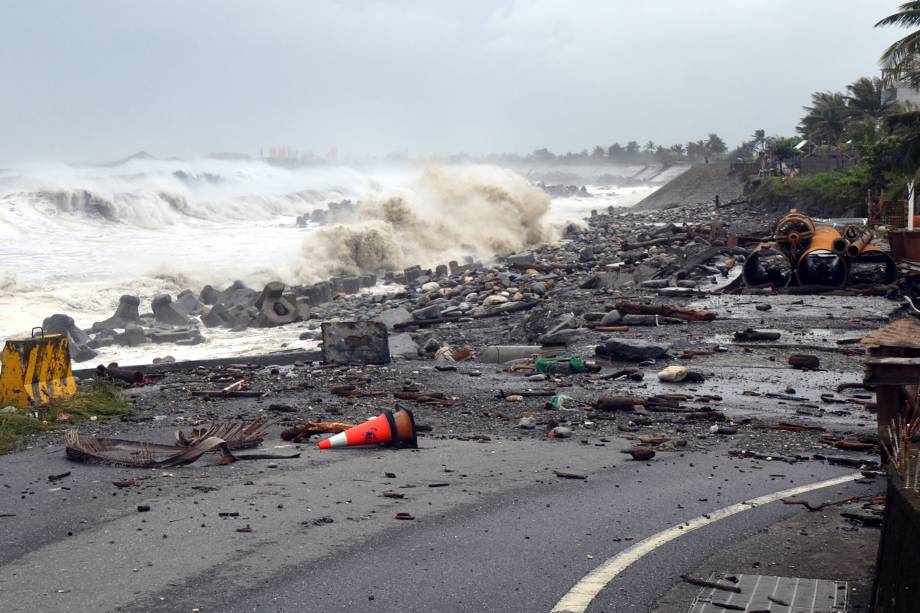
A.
x: 908, y: 15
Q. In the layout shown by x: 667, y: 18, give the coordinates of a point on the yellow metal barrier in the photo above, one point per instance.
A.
x: 36, y: 370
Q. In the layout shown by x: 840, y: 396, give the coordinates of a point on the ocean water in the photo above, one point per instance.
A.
x: 74, y: 239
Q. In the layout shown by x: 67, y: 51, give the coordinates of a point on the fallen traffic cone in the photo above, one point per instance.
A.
x: 387, y: 428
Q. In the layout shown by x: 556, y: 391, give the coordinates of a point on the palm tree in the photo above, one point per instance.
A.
x: 650, y: 146
x: 899, y: 62
x: 678, y: 150
x: 826, y: 119
x: 615, y: 151
x: 715, y: 145
x: 870, y: 97
x: 760, y: 140
x: 632, y: 149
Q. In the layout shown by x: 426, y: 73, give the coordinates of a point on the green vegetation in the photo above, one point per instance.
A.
x: 831, y: 193
x: 100, y: 399
x: 94, y: 399
x: 900, y: 59
x: 15, y: 426
x: 865, y: 123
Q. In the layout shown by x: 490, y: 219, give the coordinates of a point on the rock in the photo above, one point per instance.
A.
x: 319, y: 293
x: 217, y: 317
x: 429, y: 312
x: 179, y: 337
x: 560, y: 337
x: 274, y: 308
x: 368, y: 280
x: 9, y: 409
x: 77, y: 339
x: 351, y: 285
x: 642, y: 320
x: 166, y: 313
x: 611, y: 318
x: 632, y: 350
x: 431, y: 286
x: 525, y: 258
x: 125, y: 313
x: 188, y: 303
x: 495, y: 299
x: 132, y: 336
x: 527, y: 423
x: 411, y: 274
x: 238, y: 294
x: 403, y: 345
x: 763, y: 306
x: 431, y: 345
x: 641, y: 454
x: 560, y: 432
x: 391, y: 317
x: 673, y: 374
x: 209, y: 295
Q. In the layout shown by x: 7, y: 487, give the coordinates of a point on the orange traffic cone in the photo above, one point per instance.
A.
x: 387, y: 428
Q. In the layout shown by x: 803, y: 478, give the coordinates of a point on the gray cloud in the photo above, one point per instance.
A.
x: 102, y: 78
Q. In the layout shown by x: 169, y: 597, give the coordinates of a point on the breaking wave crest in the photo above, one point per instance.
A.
x: 154, y: 194
x: 449, y: 213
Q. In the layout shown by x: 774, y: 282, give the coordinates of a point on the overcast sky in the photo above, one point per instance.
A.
x: 95, y: 79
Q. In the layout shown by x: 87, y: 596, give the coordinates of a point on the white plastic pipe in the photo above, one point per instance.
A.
x: 911, y: 204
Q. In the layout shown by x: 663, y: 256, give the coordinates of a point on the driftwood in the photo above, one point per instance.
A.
x: 301, y: 433
x: 663, y: 310
x: 713, y: 584
x: 872, y: 500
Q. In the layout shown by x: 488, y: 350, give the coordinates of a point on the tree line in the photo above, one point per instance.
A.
x: 712, y: 147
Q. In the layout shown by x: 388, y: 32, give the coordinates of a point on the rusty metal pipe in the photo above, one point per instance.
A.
x: 840, y: 246
x: 767, y: 265
x: 873, y: 266
x: 859, y: 243
x: 820, y: 264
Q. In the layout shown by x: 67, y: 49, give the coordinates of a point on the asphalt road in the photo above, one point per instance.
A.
x: 522, y: 552
x: 504, y: 534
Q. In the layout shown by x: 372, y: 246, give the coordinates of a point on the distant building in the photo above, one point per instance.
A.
x: 906, y: 93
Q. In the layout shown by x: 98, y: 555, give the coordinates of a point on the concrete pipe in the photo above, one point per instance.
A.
x: 767, y: 265
x: 820, y: 264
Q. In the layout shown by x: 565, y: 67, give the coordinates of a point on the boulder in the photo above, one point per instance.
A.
x: 611, y: 318
x: 391, y: 317
x: 238, y: 294
x: 351, y: 285
x: 77, y: 339
x: 132, y: 336
x: 217, y: 317
x: 432, y: 311
x: 209, y: 295
x: 632, y: 350
x: 125, y: 313
x: 319, y: 293
x: 186, y: 302
x: 274, y: 308
x: 523, y: 259
x: 166, y: 312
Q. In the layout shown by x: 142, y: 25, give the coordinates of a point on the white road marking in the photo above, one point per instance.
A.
x: 582, y: 593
